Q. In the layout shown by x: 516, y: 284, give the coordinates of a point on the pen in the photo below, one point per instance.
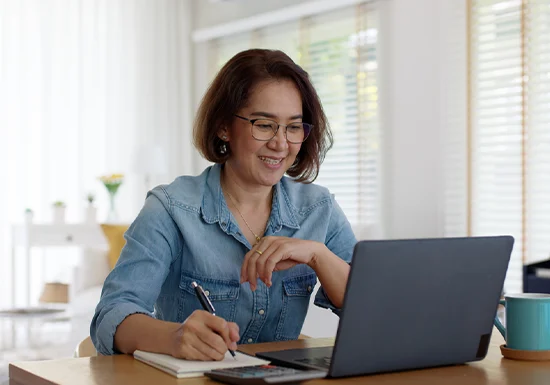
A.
x: 206, y: 304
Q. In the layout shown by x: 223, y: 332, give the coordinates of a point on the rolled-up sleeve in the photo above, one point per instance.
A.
x: 340, y: 240
x: 153, y: 243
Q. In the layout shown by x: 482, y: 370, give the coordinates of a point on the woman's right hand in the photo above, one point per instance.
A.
x: 204, y: 337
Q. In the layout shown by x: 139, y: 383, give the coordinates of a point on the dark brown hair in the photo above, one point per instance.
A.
x: 230, y: 91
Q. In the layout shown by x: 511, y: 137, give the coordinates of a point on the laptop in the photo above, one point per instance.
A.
x: 412, y: 304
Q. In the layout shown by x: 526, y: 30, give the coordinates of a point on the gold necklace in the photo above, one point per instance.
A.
x: 258, y: 238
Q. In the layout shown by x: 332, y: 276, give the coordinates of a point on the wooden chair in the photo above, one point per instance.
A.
x: 85, y: 349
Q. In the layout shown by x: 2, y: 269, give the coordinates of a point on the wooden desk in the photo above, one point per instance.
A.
x: 125, y: 370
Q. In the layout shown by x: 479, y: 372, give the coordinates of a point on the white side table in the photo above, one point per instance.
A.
x: 30, y: 235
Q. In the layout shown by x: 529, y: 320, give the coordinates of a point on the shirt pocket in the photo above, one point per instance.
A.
x: 296, y: 294
x: 223, y: 293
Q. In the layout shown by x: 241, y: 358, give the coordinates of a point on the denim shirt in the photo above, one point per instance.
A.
x: 185, y: 232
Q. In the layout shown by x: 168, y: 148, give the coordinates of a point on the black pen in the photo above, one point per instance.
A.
x: 206, y: 304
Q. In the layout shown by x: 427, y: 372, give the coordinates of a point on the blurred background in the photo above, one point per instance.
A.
x: 439, y: 109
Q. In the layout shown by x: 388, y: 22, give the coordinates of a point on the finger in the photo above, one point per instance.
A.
x: 266, y: 263
x: 234, y: 334
x: 251, y: 273
x: 189, y: 352
x: 233, y: 327
x: 206, y: 343
x: 222, y: 330
x: 263, y: 244
x: 246, y: 261
x: 213, y: 344
x: 197, y: 330
x: 245, y: 267
x: 277, y: 252
x: 244, y: 270
x: 259, y: 262
x: 228, y: 339
x: 274, y: 258
x: 195, y: 354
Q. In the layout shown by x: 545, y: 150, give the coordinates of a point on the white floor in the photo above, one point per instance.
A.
x: 35, y: 339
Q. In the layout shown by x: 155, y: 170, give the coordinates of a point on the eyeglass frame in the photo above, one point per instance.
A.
x: 252, y: 121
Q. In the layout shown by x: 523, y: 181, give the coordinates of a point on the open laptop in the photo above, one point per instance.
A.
x: 412, y: 304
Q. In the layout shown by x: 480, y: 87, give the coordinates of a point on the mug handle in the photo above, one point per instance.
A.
x: 498, y: 324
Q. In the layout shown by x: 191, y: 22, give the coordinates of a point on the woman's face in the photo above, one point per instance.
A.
x: 265, y: 162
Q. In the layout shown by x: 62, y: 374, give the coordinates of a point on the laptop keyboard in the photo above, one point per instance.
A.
x: 322, y: 362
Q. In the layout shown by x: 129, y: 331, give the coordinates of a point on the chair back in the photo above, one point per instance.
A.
x: 85, y: 349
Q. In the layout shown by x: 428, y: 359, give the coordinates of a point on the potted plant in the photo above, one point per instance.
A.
x: 29, y: 214
x: 58, y: 212
x: 91, y: 210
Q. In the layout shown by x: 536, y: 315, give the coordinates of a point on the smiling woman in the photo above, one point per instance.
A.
x: 261, y: 153
x: 254, y: 239
x: 253, y: 80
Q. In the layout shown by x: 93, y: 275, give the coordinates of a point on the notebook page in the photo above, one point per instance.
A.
x: 186, y: 368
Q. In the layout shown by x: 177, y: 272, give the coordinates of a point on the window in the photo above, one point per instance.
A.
x: 339, y: 51
x: 508, y: 150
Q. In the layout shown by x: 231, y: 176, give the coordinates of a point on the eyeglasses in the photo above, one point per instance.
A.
x: 266, y: 129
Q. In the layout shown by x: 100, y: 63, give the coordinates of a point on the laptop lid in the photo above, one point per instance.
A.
x: 417, y: 303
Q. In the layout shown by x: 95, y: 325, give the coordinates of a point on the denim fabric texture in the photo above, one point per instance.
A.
x: 185, y: 232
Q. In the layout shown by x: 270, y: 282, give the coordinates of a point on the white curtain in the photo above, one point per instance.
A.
x: 83, y: 84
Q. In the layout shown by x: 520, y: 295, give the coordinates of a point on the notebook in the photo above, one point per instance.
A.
x: 185, y: 368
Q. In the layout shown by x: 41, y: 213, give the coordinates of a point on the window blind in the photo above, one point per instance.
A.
x: 340, y: 57
x: 537, y: 119
x: 496, y: 123
x: 339, y: 51
x: 510, y: 132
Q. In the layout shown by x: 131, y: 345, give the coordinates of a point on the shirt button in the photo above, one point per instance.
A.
x: 250, y: 340
x: 309, y: 289
x: 261, y: 312
x: 223, y: 223
x: 207, y: 293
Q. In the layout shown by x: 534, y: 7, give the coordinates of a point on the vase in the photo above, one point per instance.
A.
x: 59, y: 215
x: 112, y: 184
x: 112, y: 216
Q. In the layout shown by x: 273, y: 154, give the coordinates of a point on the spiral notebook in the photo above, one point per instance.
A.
x: 185, y: 368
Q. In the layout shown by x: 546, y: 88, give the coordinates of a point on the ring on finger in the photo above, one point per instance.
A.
x: 259, y: 252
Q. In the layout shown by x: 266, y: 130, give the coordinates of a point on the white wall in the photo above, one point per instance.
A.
x: 412, y: 85
x: 208, y: 14
x: 410, y: 99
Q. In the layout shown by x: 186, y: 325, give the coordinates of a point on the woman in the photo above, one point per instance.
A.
x: 256, y: 241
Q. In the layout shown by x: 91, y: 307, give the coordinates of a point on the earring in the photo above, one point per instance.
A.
x: 224, y: 137
x: 223, y: 148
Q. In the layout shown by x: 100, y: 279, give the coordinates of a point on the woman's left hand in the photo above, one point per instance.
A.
x: 275, y: 254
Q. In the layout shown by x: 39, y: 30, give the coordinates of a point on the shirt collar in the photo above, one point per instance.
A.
x: 282, y: 211
x: 214, y: 208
